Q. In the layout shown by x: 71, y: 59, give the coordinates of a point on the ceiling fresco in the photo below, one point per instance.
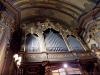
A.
x: 66, y: 11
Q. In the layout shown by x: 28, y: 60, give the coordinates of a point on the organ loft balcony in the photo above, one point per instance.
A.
x: 48, y: 41
x: 56, y: 56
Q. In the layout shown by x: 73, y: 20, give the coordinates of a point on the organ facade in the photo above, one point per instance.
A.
x: 49, y: 37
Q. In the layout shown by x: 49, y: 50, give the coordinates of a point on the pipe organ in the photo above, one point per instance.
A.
x: 32, y: 44
x: 54, y: 42
x: 53, y: 39
x: 75, y: 44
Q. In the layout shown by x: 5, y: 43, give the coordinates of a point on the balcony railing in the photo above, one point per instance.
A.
x: 56, y: 56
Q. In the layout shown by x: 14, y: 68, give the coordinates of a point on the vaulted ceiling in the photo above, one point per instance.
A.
x: 66, y: 11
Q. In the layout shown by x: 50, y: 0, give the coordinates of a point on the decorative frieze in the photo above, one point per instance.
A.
x: 62, y: 56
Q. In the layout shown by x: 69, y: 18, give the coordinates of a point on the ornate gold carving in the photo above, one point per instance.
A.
x: 40, y: 27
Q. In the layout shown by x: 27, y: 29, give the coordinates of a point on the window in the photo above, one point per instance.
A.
x: 67, y: 71
x: 60, y: 71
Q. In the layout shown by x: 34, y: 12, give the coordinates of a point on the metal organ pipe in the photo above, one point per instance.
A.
x: 32, y: 43
x: 54, y: 42
x: 75, y: 43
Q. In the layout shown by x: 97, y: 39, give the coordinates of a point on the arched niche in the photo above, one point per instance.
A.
x: 74, y: 43
x: 54, y: 41
x: 32, y: 43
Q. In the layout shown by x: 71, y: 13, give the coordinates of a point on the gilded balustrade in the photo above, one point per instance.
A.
x: 56, y: 56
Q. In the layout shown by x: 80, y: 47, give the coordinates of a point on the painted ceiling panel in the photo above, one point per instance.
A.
x: 82, y: 3
x: 78, y: 3
x: 68, y: 11
x: 47, y: 12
